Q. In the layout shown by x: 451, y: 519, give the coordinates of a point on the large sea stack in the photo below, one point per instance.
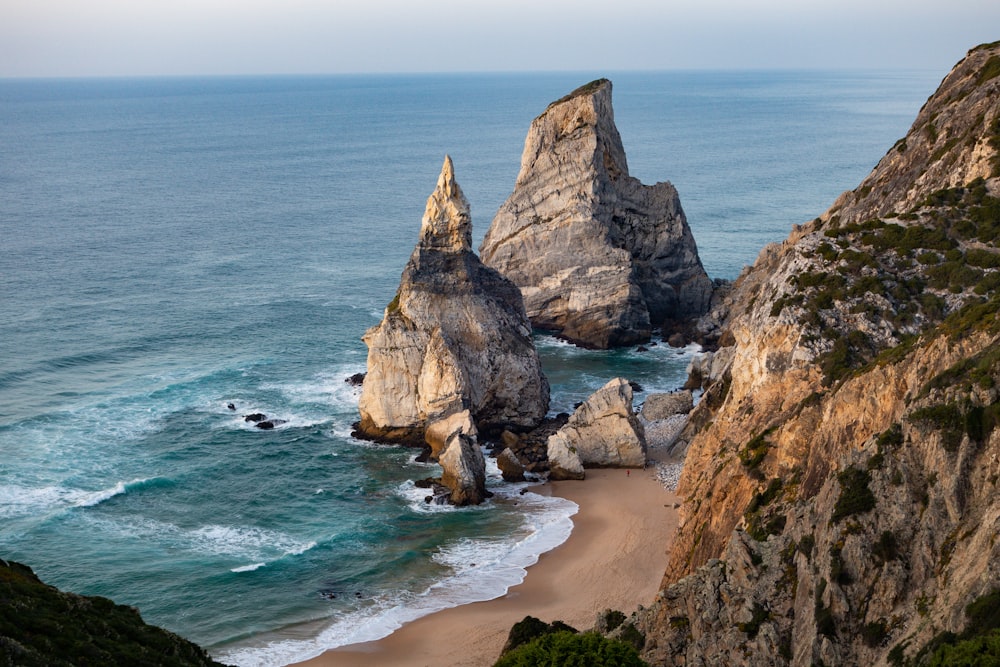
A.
x: 600, y: 258
x: 454, y: 339
x: 840, y: 489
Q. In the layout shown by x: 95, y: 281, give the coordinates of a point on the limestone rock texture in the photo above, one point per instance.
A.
x: 600, y: 258
x: 839, y: 494
x: 455, y: 338
x: 662, y: 406
x: 603, y: 432
x: 464, y: 470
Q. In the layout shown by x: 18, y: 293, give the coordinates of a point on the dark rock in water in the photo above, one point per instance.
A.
x: 425, y: 483
x: 510, y: 466
x: 642, y: 348
x: 356, y: 380
x: 255, y: 417
x: 677, y: 340
x: 635, y: 385
x: 45, y: 626
x: 231, y: 406
x: 266, y: 425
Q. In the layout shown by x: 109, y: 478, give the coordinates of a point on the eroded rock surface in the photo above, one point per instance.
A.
x: 603, y: 432
x: 840, y: 487
x: 600, y: 258
x: 455, y: 338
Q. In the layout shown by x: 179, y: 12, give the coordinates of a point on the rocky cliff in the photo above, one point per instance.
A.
x: 599, y: 257
x: 840, y: 483
x: 453, y: 354
x: 41, y: 625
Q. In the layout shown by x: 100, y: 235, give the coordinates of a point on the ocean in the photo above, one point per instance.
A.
x: 174, y: 245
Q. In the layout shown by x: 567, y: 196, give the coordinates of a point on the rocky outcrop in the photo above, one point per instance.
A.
x: 463, y: 470
x: 45, y: 626
x: 510, y: 466
x: 662, y: 406
x: 839, y: 489
x: 603, y: 432
x: 454, y: 338
x: 600, y: 258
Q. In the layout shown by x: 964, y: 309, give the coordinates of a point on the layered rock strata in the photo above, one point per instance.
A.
x: 453, y: 354
x: 604, y: 431
x: 840, y: 487
x: 599, y: 257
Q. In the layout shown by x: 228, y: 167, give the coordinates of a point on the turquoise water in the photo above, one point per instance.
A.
x: 174, y: 245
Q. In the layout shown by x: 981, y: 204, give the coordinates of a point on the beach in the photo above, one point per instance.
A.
x: 614, y: 559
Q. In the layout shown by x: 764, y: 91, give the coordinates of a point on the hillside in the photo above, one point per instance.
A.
x: 840, y: 484
x: 44, y: 627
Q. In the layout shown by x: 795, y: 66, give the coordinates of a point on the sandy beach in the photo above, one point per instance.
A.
x: 614, y: 558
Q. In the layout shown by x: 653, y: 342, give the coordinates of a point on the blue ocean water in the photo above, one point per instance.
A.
x: 174, y: 245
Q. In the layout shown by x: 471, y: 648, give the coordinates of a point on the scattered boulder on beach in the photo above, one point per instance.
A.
x: 603, y: 432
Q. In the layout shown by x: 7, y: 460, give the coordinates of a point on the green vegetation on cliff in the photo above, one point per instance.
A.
x: 41, y: 626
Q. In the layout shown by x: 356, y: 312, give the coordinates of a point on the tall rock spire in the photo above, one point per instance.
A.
x: 447, y: 222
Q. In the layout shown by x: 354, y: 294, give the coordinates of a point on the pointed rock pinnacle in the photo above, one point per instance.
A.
x: 447, y: 222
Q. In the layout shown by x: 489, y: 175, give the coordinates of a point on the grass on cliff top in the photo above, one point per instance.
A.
x: 585, y: 89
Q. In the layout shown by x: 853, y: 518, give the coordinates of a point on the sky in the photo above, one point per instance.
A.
x: 67, y: 38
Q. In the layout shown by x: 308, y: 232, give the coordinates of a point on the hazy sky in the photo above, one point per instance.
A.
x: 150, y: 37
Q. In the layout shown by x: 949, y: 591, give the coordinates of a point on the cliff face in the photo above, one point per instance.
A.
x: 840, y: 486
x: 599, y: 257
x: 455, y: 338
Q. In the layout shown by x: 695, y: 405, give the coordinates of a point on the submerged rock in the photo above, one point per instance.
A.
x: 600, y: 258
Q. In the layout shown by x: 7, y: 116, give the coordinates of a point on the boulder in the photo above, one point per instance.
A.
x: 455, y: 338
x: 603, y: 432
x: 600, y: 258
x: 510, y: 466
x: 464, y: 470
x: 661, y: 406
x: 439, y: 432
x: 564, y: 460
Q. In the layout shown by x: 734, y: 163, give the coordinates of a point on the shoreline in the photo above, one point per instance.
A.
x: 614, y: 558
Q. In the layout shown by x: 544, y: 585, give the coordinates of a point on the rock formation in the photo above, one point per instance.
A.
x: 603, y: 432
x: 464, y: 470
x: 661, y: 406
x: 454, y: 338
x: 840, y: 486
x: 453, y: 353
x: 599, y: 257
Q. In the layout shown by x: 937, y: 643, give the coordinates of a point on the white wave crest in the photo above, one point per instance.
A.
x: 481, y: 570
